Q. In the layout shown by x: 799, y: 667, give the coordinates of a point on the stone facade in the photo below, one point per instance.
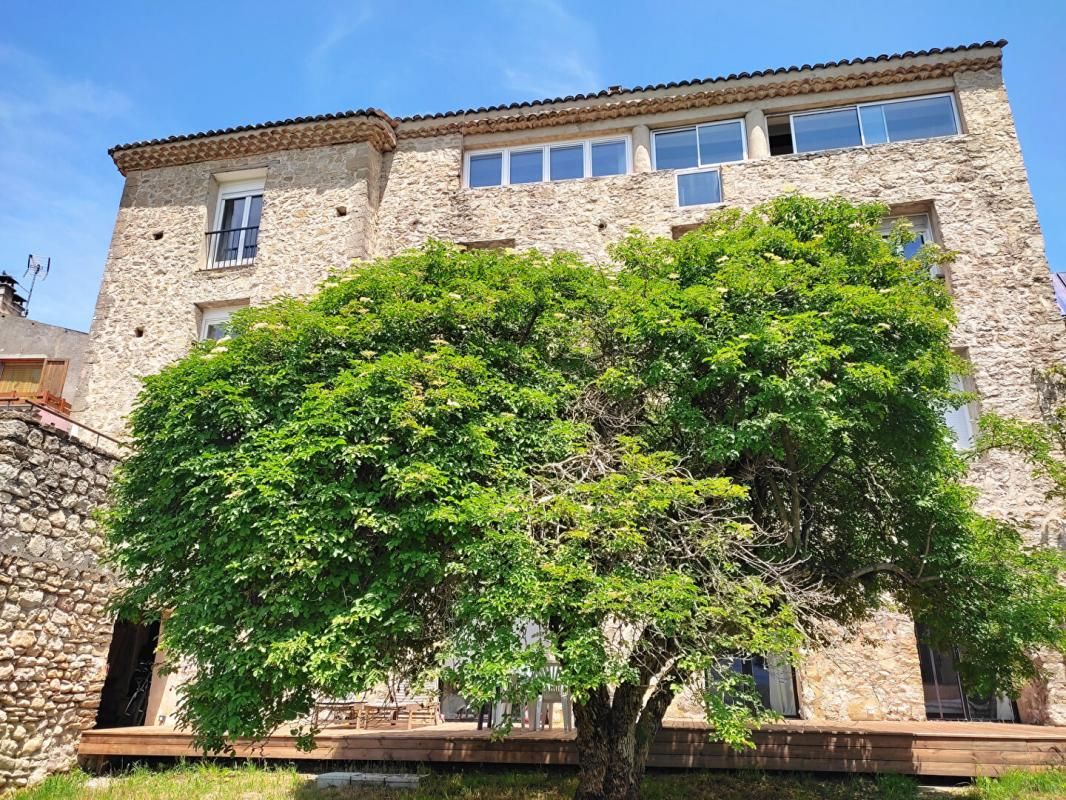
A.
x: 397, y: 193
x: 54, y: 628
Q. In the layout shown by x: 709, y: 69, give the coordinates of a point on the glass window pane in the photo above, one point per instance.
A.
x: 527, y: 166
x: 826, y: 130
x: 232, y: 213
x: 699, y: 188
x: 676, y: 150
x: 216, y: 330
x: 486, y: 170
x: 873, y: 124
x: 919, y: 226
x: 910, y: 249
x: 567, y: 162
x: 255, y: 210
x: 958, y: 419
x: 608, y: 158
x: 721, y: 143
x: 919, y: 119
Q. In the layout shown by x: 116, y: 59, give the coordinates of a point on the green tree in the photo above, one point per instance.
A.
x: 731, y: 439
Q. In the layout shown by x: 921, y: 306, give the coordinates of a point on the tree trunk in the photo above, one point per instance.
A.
x: 614, y: 739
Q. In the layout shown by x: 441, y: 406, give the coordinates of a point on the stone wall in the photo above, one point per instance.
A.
x: 865, y: 674
x: 54, y: 629
x: 973, y: 185
x: 156, y: 282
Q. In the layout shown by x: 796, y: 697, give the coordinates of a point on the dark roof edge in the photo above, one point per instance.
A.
x: 611, y: 92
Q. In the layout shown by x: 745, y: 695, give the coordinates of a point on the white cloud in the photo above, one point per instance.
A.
x: 59, y: 192
x: 557, y: 54
x: 320, y: 66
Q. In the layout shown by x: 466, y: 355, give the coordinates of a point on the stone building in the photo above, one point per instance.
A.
x: 210, y: 222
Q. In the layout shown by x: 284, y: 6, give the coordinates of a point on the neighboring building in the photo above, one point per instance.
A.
x: 39, y: 362
x: 210, y: 222
x: 11, y: 302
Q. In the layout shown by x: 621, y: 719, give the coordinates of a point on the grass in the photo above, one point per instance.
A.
x: 1049, y: 785
x: 213, y: 782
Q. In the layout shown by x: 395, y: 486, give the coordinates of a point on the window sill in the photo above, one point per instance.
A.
x: 702, y: 206
x: 227, y: 269
x: 547, y: 183
x: 865, y: 147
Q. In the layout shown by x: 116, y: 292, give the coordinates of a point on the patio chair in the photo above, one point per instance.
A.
x: 402, y: 704
x: 338, y: 711
x: 554, y: 692
x: 532, y: 713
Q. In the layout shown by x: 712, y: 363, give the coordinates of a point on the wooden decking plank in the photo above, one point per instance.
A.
x: 949, y: 749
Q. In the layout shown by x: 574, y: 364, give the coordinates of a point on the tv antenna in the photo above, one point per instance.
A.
x: 37, y: 269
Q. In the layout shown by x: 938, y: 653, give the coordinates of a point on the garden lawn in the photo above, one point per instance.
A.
x: 211, y: 782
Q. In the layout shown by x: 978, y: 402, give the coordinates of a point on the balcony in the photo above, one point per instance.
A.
x: 37, y: 380
x: 234, y: 247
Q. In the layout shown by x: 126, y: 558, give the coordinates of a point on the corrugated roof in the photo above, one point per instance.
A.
x: 613, y: 91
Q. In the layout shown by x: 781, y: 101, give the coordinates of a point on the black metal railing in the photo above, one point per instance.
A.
x: 233, y: 247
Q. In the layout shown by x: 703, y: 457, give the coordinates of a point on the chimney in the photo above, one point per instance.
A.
x: 11, y: 302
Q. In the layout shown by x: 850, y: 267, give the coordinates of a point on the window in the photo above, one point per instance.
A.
x: 825, y: 130
x: 527, y: 166
x: 235, y: 239
x: 695, y: 152
x: 486, y: 170
x: 608, y: 158
x: 700, y: 146
x: 945, y: 694
x: 699, y: 188
x: 20, y: 378
x: 567, y: 163
x: 961, y: 420
x: 866, y: 124
x: 774, y: 679
x: 214, y: 322
x: 592, y: 158
x: 920, y: 227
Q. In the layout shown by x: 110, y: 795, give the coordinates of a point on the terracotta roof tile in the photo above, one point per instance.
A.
x: 362, y: 112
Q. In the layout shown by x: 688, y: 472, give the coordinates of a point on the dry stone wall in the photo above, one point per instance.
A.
x: 54, y: 627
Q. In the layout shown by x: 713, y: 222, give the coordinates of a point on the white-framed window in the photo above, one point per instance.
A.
x: 557, y: 161
x: 234, y: 237
x: 926, y: 117
x: 695, y: 153
x: 962, y: 420
x: 214, y: 320
x: 922, y: 227
x: 919, y: 225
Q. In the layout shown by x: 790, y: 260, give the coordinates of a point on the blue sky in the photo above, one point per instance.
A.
x: 76, y: 78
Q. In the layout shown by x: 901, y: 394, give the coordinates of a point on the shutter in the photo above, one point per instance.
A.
x: 21, y: 378
x: 54, y: 376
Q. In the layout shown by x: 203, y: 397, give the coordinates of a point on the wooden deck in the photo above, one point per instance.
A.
x: 961, y: 749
